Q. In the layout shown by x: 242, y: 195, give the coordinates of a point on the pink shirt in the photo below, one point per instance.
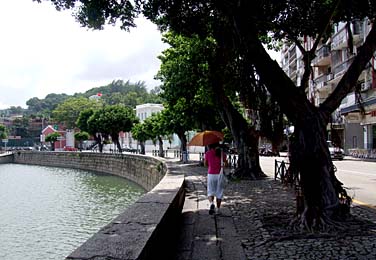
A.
x: 214, y: 162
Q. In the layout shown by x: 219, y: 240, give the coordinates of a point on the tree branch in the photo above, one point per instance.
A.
x: 350, y: 78
x: 310, y: 55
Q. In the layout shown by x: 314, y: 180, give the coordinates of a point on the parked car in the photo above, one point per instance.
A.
x: 128, y: 149
x: 335, y: 152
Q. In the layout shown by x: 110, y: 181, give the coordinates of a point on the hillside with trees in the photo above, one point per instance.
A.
x: 117, y: 92
x: 64, y: 108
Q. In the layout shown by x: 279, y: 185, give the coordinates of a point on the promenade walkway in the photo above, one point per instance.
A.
x: 253, y: 224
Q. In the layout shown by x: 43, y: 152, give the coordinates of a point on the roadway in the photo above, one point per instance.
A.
x: 359, y: 177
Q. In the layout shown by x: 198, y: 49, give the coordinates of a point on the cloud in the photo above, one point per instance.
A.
x: 44, y: 51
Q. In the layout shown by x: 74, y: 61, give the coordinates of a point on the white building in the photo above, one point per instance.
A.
x: 142, y: 112
x: 146, y: 110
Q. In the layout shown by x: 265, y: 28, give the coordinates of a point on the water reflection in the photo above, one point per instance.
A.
x: 45, y: 213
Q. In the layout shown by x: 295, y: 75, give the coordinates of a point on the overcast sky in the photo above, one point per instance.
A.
x: 43, y: 51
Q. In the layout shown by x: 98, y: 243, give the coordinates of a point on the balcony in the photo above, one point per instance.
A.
x: 341, y: 68
x: 322, y: 82
x: 322, y: 78
x: 322, y: 56
x: 339, y: 41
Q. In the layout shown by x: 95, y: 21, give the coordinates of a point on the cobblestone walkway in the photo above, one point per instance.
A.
x: 254, y: 225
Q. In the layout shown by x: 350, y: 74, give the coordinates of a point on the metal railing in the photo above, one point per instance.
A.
x: 283, y: 172
x: 288, y: 176
x: 363, y: 153
x: 232, y: 160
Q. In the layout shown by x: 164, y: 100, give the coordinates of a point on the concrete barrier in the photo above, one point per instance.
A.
x: 147, y: 229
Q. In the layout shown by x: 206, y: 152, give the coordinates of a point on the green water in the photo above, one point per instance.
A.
x: 46, y: 213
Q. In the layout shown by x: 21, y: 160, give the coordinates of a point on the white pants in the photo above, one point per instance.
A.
x: 214, y: 189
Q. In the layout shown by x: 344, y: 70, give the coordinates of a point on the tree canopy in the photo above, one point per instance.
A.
x: 52, y: 138
x: 239, y: 30
x: 69, y: 111
x: 110, y: 120
x: 3, y: 132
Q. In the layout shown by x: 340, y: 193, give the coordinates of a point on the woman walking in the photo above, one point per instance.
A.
x: 213, y: 159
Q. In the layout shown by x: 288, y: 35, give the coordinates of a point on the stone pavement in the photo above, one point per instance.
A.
x: 253, y: 224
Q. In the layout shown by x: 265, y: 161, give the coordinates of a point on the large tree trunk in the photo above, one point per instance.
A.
x: 313, y: 158
x: 320, y: 187
x: 142, y: 147
x: 245, y: 137
x: 52, y: 146
x: 98, y: 138
x: 115, y: 139
x: 183, y: 141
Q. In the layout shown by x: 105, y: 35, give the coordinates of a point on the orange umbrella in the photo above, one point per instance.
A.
x: 206, y: 138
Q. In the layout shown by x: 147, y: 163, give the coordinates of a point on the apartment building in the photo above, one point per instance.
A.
x: 348, y: 127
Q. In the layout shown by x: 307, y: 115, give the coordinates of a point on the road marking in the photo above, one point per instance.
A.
x: 363, y: 204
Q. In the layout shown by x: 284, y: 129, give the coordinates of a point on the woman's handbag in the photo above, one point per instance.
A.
x: 223, y: 180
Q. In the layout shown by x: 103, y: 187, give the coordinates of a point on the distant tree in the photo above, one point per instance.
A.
x: 20, y: 127
x: 140, y: 133
x: 52, y: 138
x: 91, y: 127
x: 3, y: 132
x: 81, y: 136
x: 16, y: 110
x: 157, y: 127
x: 111, y: 120
x: 68, y: 111
x: 125, y: 93
x: 46, y: 105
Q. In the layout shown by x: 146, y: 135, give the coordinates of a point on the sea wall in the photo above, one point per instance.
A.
x: 144, y: 170
x: 147, y: 229
x: 6, y: 158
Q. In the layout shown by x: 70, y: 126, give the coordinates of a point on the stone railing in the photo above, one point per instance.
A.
x: 362, y: 153
x: 148, y: 228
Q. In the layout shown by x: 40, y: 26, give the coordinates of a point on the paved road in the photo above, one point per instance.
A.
x: 358, y: 176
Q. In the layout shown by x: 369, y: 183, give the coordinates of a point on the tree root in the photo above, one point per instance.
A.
x: 295, y: 237
x: 313, y: 222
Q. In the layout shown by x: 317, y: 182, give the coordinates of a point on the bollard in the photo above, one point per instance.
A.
x: 185, y: 156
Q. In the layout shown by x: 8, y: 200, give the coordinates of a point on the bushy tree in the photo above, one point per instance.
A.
x: 46, y: 105
x: 69, y: 111
x: 83, y: 124
x: 52, y: 138
x: 140, y: 133
x: 81, y: 137
x: 3, y: 132
x: 111, y: 120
